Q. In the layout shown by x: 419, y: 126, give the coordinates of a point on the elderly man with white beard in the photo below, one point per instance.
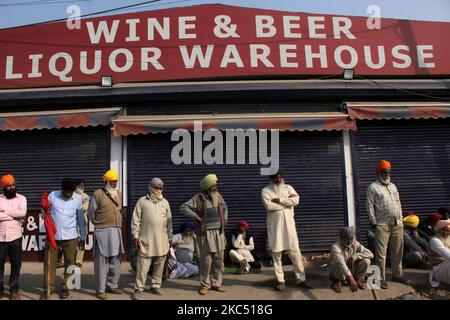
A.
x: 385, y: 214
x: 105, y: 213
x: 211, y: 213
x: 349, y: 260
x: 151, y: 229
x: 439, y: 254
x: 279, y: 199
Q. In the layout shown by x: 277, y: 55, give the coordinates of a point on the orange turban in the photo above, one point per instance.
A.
x: 383, y: 165
x: 6, y: 179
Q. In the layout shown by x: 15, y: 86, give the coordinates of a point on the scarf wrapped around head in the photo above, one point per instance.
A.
x: 411, y: 221
x: 347, y: 232
x: 155, y: 194
x: 442, y: 224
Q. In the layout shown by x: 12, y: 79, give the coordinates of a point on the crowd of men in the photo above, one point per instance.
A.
x: 200, y: 246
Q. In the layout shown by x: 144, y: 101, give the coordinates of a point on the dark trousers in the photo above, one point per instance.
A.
x: 14, y: 251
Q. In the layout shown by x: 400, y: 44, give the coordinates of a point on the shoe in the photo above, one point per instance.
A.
x: 243, y: 265
x: 64, y: 293
x: 79, y: 265
x: 45, y: 296
x: 280, y: 286
x: 304, y: 285
x: 60, y: 265
x: 156, y: 291
x: 203, y: 291
x: 402, y: 280
x: 361, y: 285
x: 218, y: 289
x: 14, y: 296
x: 336, y: 286
x: 102, y: 295
x: 383, y: 284
x: 114, y: 290
x: 137, y: 295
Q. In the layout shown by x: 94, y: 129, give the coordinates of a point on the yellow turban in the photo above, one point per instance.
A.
x: 411, y: 221
x: 110, y: 175
x: 208, y: 181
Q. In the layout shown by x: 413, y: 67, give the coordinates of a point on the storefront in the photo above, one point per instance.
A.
x: 57, y: 122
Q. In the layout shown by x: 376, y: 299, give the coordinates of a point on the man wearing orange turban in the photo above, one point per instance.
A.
x: 13, y: 208
x: 385, y: 214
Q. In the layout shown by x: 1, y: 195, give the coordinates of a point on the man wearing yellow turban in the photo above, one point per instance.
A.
x: 415, y: 246
x: 105, y: 213
x: 211, y: 213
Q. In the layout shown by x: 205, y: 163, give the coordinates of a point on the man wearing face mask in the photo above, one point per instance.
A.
x: 211, y: 213
x: 151, y: 229
x: 349, y: 261
x: 67, y: 213
x: 385, y: 214
x: 279, y: 199
x: 105, y: 213
x: 13, y: 208
x: 85, y: 200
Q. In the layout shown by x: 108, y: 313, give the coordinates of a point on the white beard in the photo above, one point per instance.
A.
x: 214, y: 198
x: 277, y: 188
x: 445, y: 241
x: 385, y: 181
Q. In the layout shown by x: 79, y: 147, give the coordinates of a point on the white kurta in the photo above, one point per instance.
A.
x: 152, y: 225
x: 281, y: 230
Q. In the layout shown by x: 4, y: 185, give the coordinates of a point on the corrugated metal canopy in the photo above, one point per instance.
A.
x: 318, y: 121
x: 398, y: 110
x: 57, y: 119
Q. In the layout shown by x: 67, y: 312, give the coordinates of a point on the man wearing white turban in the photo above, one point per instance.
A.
x: 440, y: 254
x: 211, y: 213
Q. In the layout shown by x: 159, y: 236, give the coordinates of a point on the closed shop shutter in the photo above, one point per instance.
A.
x: 40, y: 159
x: 419, y: 151
x: 313, y: 166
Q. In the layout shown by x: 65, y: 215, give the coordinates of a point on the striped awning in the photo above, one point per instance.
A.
x: 397, y: 110
x: 56, y: 119
x: 132, y: 125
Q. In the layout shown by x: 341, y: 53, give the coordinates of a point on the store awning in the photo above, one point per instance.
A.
x: 132, y: 125
x: 56, y: 119
x: 397, y: 110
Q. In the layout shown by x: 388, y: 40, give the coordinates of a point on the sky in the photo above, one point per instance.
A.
x: 21, y: 12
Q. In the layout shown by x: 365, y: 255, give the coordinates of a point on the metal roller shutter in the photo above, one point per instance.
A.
x: 419, y: 151
x: 312, y: 163
x: 39, y: 159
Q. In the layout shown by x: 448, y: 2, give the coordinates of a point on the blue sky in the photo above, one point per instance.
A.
x: 22, y: 12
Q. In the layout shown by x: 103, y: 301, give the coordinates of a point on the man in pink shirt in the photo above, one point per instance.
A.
x: 13, y: 209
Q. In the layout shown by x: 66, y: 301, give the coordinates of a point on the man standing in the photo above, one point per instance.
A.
x: 440, y: 254
x: 385, y: 215
x: 151, y: 228
x: 349, y: 261
x: 13, y: 208
x: 67, y: 213
x: 211, y: 213
x: 105, y: 213
x: 279, y: 200
x: 85, y: 200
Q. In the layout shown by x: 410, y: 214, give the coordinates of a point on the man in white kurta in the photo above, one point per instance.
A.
x: 279, y: 199
x: 439, y: 253
x: 151, y: 228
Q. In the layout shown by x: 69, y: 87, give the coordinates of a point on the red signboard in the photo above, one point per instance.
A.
x: 218, y: 41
